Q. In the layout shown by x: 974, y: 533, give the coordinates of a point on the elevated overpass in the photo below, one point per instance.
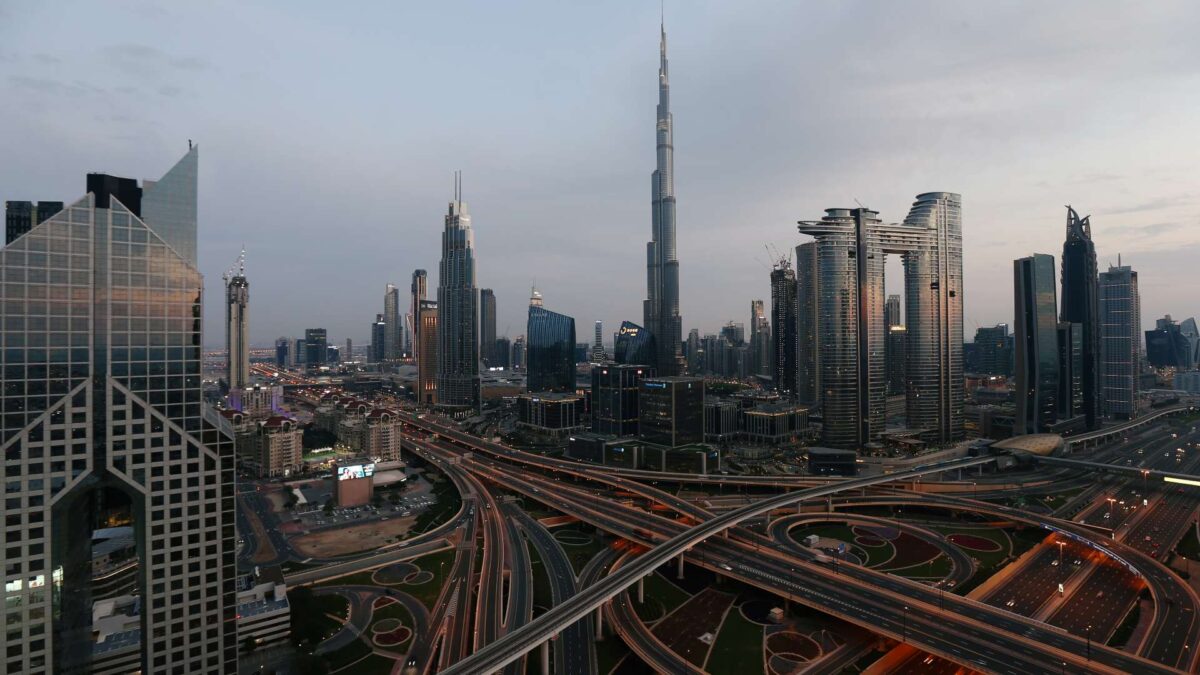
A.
x: 1105, y: 434
x: 1122, y: 470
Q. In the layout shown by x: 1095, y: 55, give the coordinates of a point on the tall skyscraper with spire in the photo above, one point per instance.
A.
x: 661, y: 307
x: 458, y: 384
x: 237, y: 340
x: 1081, y: 305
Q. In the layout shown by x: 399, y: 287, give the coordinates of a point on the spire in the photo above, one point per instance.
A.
x: 662, y: 52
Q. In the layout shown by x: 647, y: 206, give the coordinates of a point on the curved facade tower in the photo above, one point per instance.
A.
x: 1081, y: 305
x: 661, y: 307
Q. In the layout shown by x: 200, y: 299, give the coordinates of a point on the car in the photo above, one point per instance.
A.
x: 1078, y: 562
x: 1010, y: 603
x: 726, y: 567
x: 1100, y: 595
x: 1054, y: 563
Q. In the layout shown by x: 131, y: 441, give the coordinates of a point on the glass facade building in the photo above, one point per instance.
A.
x: 634, y: 345
x: 1081, y: 305
x: 316, y: 347
x: 808, y: 337
x: 458, y: 383
x: 100, y: 321
x: 671, y: 410
x: 487, y: 326
x: 550, y: 348
x: 1120, y: 337
x: 20, y: 217
x: 393, y: 331
x: 783, y: 317
x: 1035, y: 301
x: 615, y: 398
x: 237, y: 337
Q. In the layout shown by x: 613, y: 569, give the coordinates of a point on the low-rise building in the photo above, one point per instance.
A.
x: 257, y: 401
x: 552, y: 413
x: 263, y: 612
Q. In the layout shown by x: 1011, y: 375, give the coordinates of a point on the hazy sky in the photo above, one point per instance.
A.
x: 329, y: 133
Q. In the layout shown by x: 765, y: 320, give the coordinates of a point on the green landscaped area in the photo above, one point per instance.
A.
x: 313, y: 616
x: 665, y: 592
x: 446, y: 503
x: 738, y: 647
x: 542, y: 597
x: 352, y: 652
x: 987, y: 559
x: 609, y: 653
x: 937, y: 568
x: 578, y: 553
x: 387, y: 616
x: 439, y: 565
x: 1189, y: 546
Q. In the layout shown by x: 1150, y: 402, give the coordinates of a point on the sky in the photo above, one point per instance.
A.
x: 329, y: 134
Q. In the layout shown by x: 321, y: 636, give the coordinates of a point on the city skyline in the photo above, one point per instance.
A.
x: 1139, y: 203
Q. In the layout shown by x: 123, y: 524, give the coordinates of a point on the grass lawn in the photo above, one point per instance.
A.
x: 1125, y: 630
x: 356, y: 579
x: 439, y: 565
x: 374, y: 664
x: 667, y: 593
x: 542, y: 598
x: 346, y: 655
x: 609, y: 653
x: 986, y: 559
x: 1189, y: 547
x: 824, y: 530
x: 937, y: 569
x: 738, y: 647
x: 579, y: 555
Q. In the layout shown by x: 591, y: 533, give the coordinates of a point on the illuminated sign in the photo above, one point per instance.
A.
x: 654, y: 385
x: 352, y: 471
x: 1182, y: 481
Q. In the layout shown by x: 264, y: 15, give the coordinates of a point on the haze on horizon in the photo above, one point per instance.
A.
x: 328, y: 139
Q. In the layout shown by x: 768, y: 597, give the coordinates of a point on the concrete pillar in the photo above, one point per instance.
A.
x: 546, y: 658
x: 679, y: 573
x: 600, y: 622
x: 829, y: 503
x: 641, y: 591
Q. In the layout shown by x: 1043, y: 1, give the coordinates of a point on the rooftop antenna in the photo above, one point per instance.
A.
x: 860, y: 204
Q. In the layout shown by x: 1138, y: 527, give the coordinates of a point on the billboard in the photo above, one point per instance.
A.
x: 351, y: 471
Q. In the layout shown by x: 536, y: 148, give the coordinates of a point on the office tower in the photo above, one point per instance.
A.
x: 1120, y: 341
x: 1070, y: 371
x: 694, y: 356
x: 237, y: 339
x: 21, y: 217
x: 420, y: 280
x: 1081, y: 305
x: 1168, y: 346
x: 598, y: 355
x: 502, y: 353
x: 808, y: 343
x: 487, y: 326
x: 300, y: 353
x: 783, y: 318
x: 378, y: 340
x: 760, y: 339
x: 1037, y: 356
x: 994, y: 345
x: 661, y: 307
x: 896, y: 346
x: 283, y: 349
x: 458, y: 311
x: 1189, y: 330
x: 316, y: 347
x: 167, y: 203
x: 393, y: 332
x: 634, y: 345
x: 427, y: 352
x: 349, y: 350
x: 104, y: 415
x: 551, y: 347
x: 333, y: 355
x: 671, y: 410
x: 519, y: 353
x: 893, y: 361
x: 851, y: 247
x: 615, y: 398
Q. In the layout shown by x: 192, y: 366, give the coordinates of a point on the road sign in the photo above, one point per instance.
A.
x: 1060, y: 589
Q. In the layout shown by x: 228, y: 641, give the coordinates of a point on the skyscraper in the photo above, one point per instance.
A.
x: 783, y: 317
x: 851, y: 245
x: 487, y: 326
x: 615, y: 398
x: 1081, y: 305
x: 760, y: 338
x: 316, y: 352
x: 349, y: 356
x: 598, y: 355
x: 103, y: 377
x: 1070, y: 372
x: 21, y: 217
x: 283, y: 350
x: 661, y: 308
x: 237, y: 339
x: 634, y: 345
x: 393, y: 332
x: 420, y: 280
x: 378, y: 340
x: 458, y: 384
x: 808, y: 342
x: 427, y: 357
x: 895, y: 344
x: 1120, y: 341
x: 995, y: 347
x: 551, y: 349
x: 1037, y: 355
x: 1169, y: 346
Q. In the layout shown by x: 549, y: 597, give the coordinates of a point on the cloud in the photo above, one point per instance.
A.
x: 145, y: 61
x: 53, y: 87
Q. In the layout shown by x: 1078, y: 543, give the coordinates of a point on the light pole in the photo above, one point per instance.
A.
x: 904, y: 629
x: 1061, y: 544
x: 1111, y: 501
x: 1089, y: 642
x: 974, y: 491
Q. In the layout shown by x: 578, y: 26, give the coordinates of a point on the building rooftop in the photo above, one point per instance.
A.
x: 1034, y: 444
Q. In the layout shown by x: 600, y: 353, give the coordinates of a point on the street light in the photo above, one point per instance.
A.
x: 1111, y: 501
x: 1061, y: 544
x: 904, y: 630
x: 1089, y: 642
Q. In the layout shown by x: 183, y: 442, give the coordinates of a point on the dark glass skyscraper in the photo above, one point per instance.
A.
x: 379, y: 339
x: 420, y: 280
x: 615, y: 398
x: 1034, y: 300
x: 1081, y: 305
x: 316, y: 345
x: 808, y: 352
x: 994, y: 345
x: 487, y: 326
x: 458, y: 384
x: 551, y: 349
x: 20, y: 217
x: 783, y: 317
x: 634, y: 345
x: 661, y: 307
x: 393, y: 332
x: 100, y: 318
x: 1120, y: 336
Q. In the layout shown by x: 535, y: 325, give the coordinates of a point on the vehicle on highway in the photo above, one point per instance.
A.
x: 1010, y: 603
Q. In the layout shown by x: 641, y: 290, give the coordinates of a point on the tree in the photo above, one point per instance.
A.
x: 249, y: 644
x: 328, y: 507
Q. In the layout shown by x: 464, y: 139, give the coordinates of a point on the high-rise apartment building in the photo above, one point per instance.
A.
x: 103, y: 411
x: 237, y: 337
x: 349, y: 356
x: 378, y: 340
x: 808, y: 338
x: 487, y: 326
x: 760, y: 339
x: 851, y: 247
x: 316, y: 347
x: 994, y: 345
x: 300, y: 353
x: 458, y: 383
x: 1037, y: 355
x: 420, y: 282
x: 1120, y: 338
x: 1081, y: 305
x: 427, y: 352
x: 783, y: 318
x: 661, y: 307
x: 598, y: 355
x: 551, y: 346
x: 393, y: 332
x: 502, y: 353
x: 20, y: 217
